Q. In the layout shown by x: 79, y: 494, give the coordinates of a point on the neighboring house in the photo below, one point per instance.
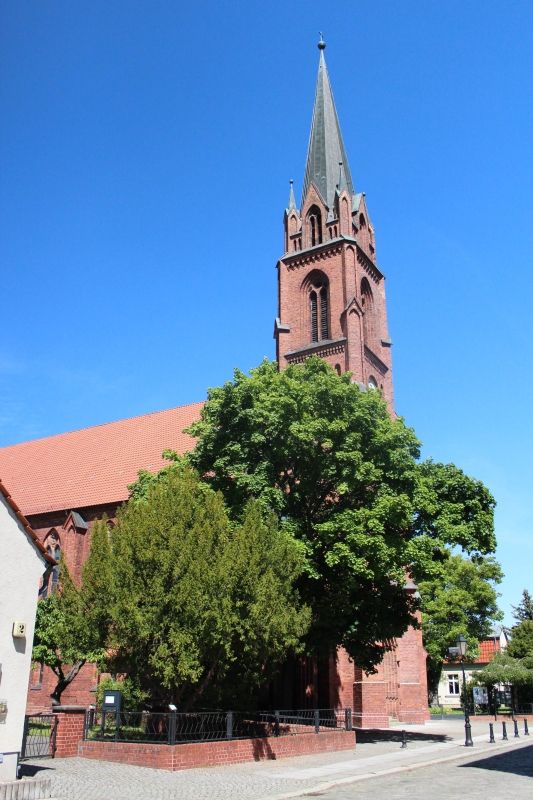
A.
x: 24, y: 562
x: 451, y: 679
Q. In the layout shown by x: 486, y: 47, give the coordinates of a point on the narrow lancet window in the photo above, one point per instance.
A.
x: 314, y: 317
x: 324, y: 327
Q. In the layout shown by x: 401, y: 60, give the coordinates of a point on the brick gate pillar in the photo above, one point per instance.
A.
x: 70, y: 723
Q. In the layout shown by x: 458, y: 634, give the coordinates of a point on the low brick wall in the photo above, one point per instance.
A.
x: 210, y: 754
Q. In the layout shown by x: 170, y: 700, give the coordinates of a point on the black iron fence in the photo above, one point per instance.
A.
x: 38, y: 739
x: 208, y: 726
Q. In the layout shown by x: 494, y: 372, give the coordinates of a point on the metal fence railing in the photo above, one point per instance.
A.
x: 209, y: 726
x: 38, y: 739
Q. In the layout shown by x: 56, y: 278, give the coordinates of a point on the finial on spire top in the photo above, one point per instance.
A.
x: 321, y: 44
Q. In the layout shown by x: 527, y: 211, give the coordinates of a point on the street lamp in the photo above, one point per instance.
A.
x: 460, y: 649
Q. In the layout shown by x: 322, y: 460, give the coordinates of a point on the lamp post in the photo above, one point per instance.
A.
x: 460, y: 647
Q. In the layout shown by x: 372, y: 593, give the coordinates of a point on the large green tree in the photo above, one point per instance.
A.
x: 521, y: 644
x: 344, y: 478
x: 461, y: 598
x: 202, y: 607
x: 72, y: 624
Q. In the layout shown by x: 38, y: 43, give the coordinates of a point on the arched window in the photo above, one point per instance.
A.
x: 316, y: 287
x: 362, y: 221
x: 52, y: 546
x: 314, y: 222
x: 372, y: 382
x: 338, y: 369
x: 367, y: 301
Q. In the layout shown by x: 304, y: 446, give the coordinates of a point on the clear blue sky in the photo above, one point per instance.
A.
x: 146, y: 149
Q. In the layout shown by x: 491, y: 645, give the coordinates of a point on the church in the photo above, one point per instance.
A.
x: 331, y: 303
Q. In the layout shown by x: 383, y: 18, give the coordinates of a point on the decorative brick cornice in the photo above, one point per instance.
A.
x: 369, y: 265
x: 376, y: 361
x: 311, y: 255
x: 325, y: 348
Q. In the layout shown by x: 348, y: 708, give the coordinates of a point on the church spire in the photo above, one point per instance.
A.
x: 326, y: 148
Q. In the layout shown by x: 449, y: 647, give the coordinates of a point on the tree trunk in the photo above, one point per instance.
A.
x: 64, y: 680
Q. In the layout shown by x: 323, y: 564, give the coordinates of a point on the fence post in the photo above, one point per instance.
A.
x: 348, y: 719
x: 229, y: 725
x: 317, y: 720
x: 276, y: 723
x: 516, y: 734
x: 504, y: 731
x: 526, y: 729
x: 24, y: 736
x: 117, y: 725
x: 491, y: 732
x: 172, y: 727
x: 404, y: 740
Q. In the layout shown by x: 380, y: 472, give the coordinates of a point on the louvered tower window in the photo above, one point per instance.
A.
x: 324, y: 327
x: 314, y: 317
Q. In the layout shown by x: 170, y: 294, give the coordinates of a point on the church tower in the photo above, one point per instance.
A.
x: 331, y: 293
x: 331, y: 303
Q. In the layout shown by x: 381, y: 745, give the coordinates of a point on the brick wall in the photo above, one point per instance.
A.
x: 210, y: 754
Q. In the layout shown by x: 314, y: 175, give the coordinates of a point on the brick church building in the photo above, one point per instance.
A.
x: 331, y: 303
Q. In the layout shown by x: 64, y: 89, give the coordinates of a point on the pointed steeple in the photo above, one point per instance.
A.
x: 292, y: 199
x: 326, y: 148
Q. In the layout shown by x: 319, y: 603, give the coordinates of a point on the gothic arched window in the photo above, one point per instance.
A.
x: 52, y: 546
x: 367, y: 301
x: 314, y: 224
x: 316, y: 286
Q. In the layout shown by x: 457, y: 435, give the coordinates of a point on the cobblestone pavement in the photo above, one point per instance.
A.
x: 376, y: 752
x: 504, y: 775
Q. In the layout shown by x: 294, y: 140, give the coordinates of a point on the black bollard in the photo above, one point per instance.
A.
x: 491, y: 732
x: 404, y: 740
x: 504, y: 729
x: 526, y: 729
x: 516, y: 734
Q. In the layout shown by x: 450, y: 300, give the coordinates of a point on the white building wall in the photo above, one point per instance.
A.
x: 22, y: 567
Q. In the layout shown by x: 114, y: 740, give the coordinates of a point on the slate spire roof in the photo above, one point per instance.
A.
x: 326, y: 148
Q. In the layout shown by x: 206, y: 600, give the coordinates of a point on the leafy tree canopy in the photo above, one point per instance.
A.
x: 524, y: 610
x: 460, y: 599
x: 506, y: 669
x: 202, y: 607
x: 72, y: 624
x: 345, y: 480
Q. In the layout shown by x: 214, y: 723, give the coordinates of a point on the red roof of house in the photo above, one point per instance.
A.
x: 25, y: 524
x: 93, y: 466
x: 487, y: 650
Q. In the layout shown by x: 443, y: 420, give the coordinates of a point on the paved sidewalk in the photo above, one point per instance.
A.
x: 378, y: 753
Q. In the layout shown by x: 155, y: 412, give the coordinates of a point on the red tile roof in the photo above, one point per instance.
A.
x: 93, y: 466
x: 487, y: 650
x: 25, y: 524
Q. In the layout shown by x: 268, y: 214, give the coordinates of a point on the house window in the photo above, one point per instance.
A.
x: 453, y: 684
